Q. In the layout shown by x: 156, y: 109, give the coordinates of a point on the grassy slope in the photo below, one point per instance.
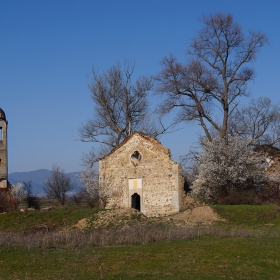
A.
x: 250, y: 215
x: 236, y: 215
x: 60, y: 217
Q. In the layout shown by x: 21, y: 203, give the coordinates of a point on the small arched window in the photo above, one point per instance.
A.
x: 136, y: 157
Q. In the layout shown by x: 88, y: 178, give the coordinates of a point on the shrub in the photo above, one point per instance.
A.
x: 33, y: 202
x: 7, y: 201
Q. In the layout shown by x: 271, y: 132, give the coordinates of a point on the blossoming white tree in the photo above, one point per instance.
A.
x: 228, y: 166
x: 99, y: 196
x: 89, y: 178
x: 19, y: 193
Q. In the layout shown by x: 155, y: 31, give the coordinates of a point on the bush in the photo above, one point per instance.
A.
x: 7, y: 201
x: 241, y: 197
x: 79, y: 197
x: 270, y: 194
x: 33, y: 202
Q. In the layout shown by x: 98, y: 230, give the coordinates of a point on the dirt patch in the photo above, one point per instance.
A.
x: 112, y: 218
x: 203, y: 215
x: 82, y: 224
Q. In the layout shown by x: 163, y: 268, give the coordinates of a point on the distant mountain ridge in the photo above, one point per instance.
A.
x: 38, y: 177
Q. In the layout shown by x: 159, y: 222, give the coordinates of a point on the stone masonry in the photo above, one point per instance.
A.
x: 3, y: 151
x: 140, y: 173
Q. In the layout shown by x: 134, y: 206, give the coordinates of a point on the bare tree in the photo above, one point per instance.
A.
x: 260, y: 120
x: 120, y: 108
x: 32, y: 200
x: 207, y: 87
x: 58, y: 184
x: 28, y: 187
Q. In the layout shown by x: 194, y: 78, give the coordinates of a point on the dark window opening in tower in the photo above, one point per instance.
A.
x: 1, y: 136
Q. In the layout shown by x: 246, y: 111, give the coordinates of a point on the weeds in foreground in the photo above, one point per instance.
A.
x: 140, y: 234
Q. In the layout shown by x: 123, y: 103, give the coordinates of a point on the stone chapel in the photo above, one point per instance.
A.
x: 140, y: 174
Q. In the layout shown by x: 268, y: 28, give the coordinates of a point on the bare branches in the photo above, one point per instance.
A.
x: 214, y: 78
x: 119, y: 105
x: 58, y: 184
x: 260, y: 120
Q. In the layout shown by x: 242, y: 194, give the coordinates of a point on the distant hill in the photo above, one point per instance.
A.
x: 38, y: 178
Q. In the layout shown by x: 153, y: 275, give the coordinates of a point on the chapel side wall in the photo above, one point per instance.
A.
x: 161, y: 177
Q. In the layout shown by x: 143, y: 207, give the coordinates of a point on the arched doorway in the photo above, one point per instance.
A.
x: 135, y: 201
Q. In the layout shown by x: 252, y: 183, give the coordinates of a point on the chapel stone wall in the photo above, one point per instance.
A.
x: 158, y: 179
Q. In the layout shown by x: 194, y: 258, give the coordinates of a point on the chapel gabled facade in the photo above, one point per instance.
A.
x: 140, y: 174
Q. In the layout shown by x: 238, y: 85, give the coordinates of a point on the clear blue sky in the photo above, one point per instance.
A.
x: 48, y: 48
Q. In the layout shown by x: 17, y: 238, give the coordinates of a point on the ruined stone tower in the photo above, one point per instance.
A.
x: 3, y: 151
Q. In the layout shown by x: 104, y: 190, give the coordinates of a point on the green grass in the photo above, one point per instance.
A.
x: 60, y: 217
x: 207, y: 257
x: 250, y: 215
x: 199, y: 258
x: 236, y: 215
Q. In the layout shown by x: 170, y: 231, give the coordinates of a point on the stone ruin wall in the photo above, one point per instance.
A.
x: 3, y: 156
x: 162, y: 183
